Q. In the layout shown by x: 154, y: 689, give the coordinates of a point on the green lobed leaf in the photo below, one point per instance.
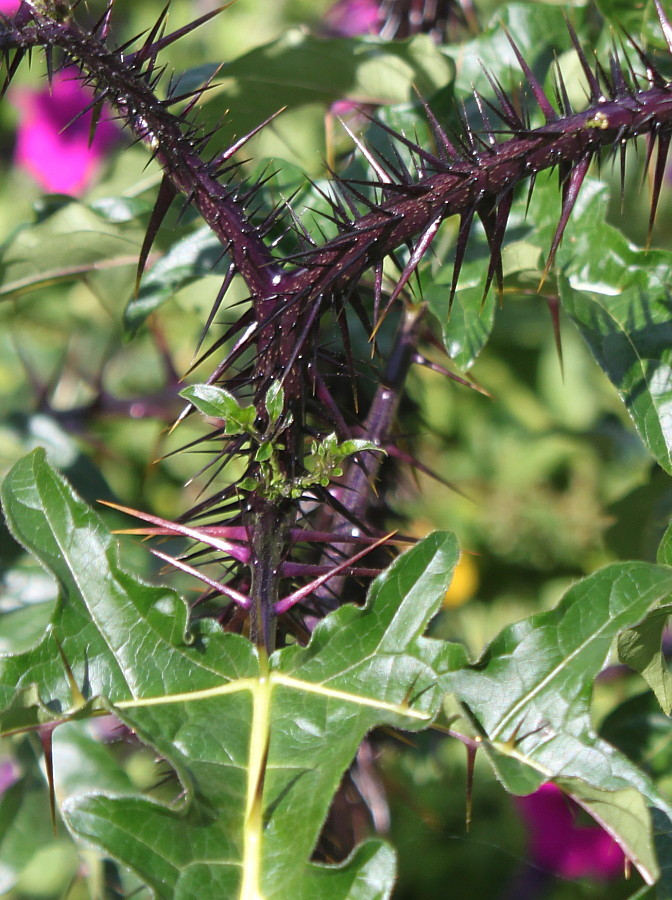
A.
x: 641, y: 649
x: 259, y: 747
x: 468, y: 323
x: 539, y: 30
x: 530, y: 695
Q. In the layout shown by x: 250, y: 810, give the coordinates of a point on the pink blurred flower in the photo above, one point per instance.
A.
x: 9, y: 774
x: 348, y: 18
x: 53, y: 148
x: 559, y: 846
x: 9, y: 6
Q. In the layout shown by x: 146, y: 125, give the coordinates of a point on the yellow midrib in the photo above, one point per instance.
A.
x: 261, y: 689
x: 253, y: 825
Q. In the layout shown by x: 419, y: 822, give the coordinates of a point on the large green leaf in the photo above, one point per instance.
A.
x: 258, y: 746
x: 530, y: 696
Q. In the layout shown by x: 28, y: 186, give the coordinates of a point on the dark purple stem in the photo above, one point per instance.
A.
x: 354, y: 490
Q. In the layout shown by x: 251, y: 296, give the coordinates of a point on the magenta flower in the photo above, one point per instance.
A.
x: 50, y: 145
x: 348, y: 18
x: 559, y: 846
x: 9, y: 7
x: 9, y: 774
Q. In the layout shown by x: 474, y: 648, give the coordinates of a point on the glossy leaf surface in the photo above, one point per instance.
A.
x: 259, y: 747
x: 530, y: 694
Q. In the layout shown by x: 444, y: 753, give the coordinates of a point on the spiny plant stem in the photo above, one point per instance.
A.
x: 354, y: 490
x: 467, y: 182
x: 288, y: 295
x: 268, y: 525
x: 120, y: 82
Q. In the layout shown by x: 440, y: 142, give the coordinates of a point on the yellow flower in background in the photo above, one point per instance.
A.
x: 464, y: 583
x: 465, y: 577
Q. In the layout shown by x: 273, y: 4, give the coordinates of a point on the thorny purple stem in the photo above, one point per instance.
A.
x: 269, y: 527
x: 354, y: 489
x: 286, y: 303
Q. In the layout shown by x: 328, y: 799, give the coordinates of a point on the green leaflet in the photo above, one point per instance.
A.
x: 259, y: 748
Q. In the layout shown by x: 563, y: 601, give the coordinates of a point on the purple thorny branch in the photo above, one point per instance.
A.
x: 275, y: 341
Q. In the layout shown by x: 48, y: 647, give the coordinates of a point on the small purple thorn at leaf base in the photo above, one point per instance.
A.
x: 46, y: 733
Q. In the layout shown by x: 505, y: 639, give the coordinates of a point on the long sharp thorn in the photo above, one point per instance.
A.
x: 530, y: 191
x: 149, y: 49
x: 652, y: 72
x: 377, y: 290
x: 228, y: 278
x: 164, y: 42
x: 282, y: 606
x: 539, y: 95
x: 49, y: 60
x: 46, y: 734
x: 439, y: 134
x: 421, y: 360
x: 489, y: 134
x: 96, y: 112
x: 378, y: 168
x: 197, y: 94
x: 241, y: 599
x: 563, y: 97
x: 402, y: 139
x: 495, y: 232
x: 507, y: 111
x: 460, y: 249
x: 11, y: 70
x: 570, y: 195
x: 167, y: 192
x: 593, y: 83
x: 658, y: 177
x: 622, y: 152
x: 77, y: 698
x: 174, y: 528
x: 664, y: 24
x: 102, y: 27
x: 419, y: 251
x: 229, y: 152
